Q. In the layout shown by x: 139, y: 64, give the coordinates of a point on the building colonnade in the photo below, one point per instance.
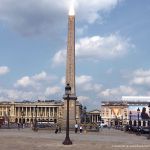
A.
x: 44, y: 113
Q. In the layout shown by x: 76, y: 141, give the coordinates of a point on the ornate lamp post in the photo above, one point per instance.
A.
x: 130, y: 121
x: 138, y: 111
x: 9, y: 118
x: 85, y: 119
x: 48, y: 117
x: 31, y: 118
x: 149, y: 122
x: 130, y: 117
x: 67, y: 140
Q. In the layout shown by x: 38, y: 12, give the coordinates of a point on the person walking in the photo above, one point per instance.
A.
x: 56, y: 130
x: 76, y: 128
x: 81, y: 129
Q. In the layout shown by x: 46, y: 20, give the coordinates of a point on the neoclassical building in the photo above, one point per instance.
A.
x: 94, y: 116
x: 120, y: 112
x: 44, y: 111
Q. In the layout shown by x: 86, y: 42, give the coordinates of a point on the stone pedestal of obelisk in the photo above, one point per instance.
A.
x: 70, y: 70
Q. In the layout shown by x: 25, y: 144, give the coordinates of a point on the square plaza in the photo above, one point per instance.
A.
x: 106, y: 139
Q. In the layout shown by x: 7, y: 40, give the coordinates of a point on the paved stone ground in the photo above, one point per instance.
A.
x: 26, y: 139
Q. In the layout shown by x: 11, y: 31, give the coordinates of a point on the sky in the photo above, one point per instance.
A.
x: 112, y: 49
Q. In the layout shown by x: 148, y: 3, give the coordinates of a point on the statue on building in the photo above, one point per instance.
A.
x: 144, y: 115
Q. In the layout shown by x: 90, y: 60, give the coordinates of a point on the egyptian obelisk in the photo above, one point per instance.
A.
x: 70, y: 67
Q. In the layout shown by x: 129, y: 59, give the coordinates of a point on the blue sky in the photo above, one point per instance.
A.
x: 112, y: 49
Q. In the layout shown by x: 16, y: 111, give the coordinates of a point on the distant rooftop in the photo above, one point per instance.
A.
x: 136, y: 98
x: 28, y: 101
x: 39, y: 101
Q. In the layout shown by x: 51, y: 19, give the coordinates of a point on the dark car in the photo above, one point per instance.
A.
x: 144, y: 130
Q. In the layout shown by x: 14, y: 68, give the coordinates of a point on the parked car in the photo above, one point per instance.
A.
x: 144, y: 130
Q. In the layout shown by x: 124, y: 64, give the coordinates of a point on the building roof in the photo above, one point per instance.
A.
x: 123, y: 103
x: 136, y: 98
x: 95, y: 111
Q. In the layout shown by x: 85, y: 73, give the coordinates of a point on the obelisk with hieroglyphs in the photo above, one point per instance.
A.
x: 70, y: 68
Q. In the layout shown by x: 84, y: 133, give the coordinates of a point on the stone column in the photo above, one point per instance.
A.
x: 92, y: 117
x: 30, y: 114
x: 53, y: 112
x: 45, y: 112
x: 2, y: 111
x: 6, y: 110
x: 26, y: 111
x: 49, y: 111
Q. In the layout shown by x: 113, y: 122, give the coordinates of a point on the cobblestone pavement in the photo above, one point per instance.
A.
x: 107, y: 139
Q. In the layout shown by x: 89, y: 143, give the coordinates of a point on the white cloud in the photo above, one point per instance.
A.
x: 59, y: 58
x: 97, y: 47
x: 80, y: 80
x: 53, y: 90
x: 118, y: 92
x: 63, y: 80
x: 47, y: 15
x: 11, y: 94
x: 4, y: 70
x: 141, y: 72
x: 83, y: 99
x: 34, y: 81
x: 40, y: 76
x: 141, y: 77
x: 25, y: 81
x: 20, y: 95
x: 86, y: 82
x: 90, y: 11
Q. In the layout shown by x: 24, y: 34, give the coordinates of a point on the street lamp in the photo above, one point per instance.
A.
x: 149, y: 122
x: 122, y: 119
x: 32, y: 118
x: 9, y: 118
x: 48, y: 117
x: 85, y: 119
x: 130, y: 122
x: 22, y: 114
x: 138, y: 111
x: 67, y: 140
x: 35, y: 120
x: 130, y: 116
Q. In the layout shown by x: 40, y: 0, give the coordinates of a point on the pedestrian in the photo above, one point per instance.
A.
x: 56, y: 130
x: 81, y: 128
x: 76, y: 128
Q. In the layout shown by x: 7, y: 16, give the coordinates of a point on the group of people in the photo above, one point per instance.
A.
x: 78, y: 127
x: 58, y: 128
x: 20, y: 125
